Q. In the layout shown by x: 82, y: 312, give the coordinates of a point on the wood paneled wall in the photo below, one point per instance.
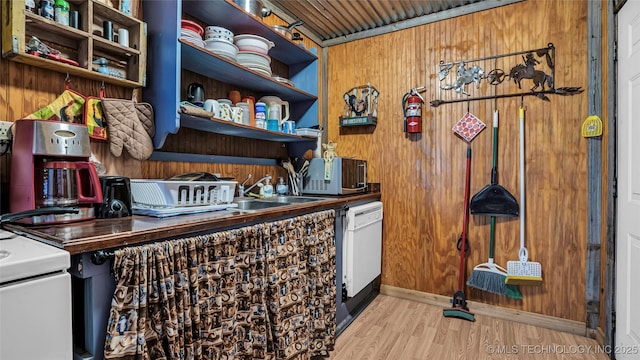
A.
x: 422, y: 176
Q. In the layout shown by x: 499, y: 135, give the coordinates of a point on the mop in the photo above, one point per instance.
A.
x: 489, y: 276
x: 523, y: 272
x: 467, y: 128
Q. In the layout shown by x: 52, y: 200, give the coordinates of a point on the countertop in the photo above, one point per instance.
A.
x: 103, y: 234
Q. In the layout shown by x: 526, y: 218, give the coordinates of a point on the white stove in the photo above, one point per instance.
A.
x: 35, y: 300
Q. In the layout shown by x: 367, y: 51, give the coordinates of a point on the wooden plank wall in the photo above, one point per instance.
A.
x: 422, y: 177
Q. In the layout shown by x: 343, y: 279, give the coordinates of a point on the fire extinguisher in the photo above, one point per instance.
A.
x: 412, y: 110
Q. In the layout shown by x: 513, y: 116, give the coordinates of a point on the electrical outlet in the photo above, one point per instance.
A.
x: 5, y: 130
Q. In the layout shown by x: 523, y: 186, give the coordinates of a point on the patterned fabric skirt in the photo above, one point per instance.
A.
x: 265, y: 291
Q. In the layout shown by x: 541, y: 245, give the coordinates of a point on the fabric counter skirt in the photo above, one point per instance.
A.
x: 265, y: 291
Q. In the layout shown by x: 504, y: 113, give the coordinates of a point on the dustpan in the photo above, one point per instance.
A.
x: 493, y: 199
x: 523, y: 272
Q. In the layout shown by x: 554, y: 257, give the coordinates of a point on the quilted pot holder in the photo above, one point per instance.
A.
x: 468, y: 127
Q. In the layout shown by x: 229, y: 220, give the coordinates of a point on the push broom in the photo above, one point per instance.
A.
x: 489, y: 276
x: 523, y: 272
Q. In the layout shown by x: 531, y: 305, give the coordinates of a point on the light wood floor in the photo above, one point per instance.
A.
x: 398, y: 329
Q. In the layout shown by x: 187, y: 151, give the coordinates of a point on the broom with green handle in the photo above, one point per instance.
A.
x: 489, y: 276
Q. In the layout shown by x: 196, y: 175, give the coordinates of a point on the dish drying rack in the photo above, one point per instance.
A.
x: 182, y: 194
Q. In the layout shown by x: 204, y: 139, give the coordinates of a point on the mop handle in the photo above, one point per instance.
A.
x: 523, y: 253
x: 494, y: 180
x: 465, y: 217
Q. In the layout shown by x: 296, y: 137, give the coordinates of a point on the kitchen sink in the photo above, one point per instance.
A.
x: 276, y: 201
x: 292, y: 199
x: 257, y: 204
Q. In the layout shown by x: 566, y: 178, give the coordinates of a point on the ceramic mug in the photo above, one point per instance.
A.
x: 212, y: 106
x: 225, y: 111
x: 246, y: 112
x: 237, y: 114
x: 289, y: 127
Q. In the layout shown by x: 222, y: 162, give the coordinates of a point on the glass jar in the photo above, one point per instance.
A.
x: 61, y: 12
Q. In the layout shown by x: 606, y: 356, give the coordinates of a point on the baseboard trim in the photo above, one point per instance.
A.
x: 545, y: 321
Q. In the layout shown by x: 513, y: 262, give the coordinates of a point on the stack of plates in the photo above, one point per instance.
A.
x: 255, y: 61
x: 223, y: 48
x: 192, y: 37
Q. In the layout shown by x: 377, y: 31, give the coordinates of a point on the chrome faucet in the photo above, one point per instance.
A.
x: 242, y: 191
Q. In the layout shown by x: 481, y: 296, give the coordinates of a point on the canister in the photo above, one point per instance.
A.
x: 261, y: 115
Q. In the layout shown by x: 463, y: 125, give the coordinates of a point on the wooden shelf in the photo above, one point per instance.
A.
x: 207, y: 63
x: 231, y: 16
x: 80, y: 45
x: 224, y: 127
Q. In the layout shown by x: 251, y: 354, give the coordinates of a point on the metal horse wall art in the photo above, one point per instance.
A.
x: 528, y: 71
x: 542, y: 80
x: 465, y: 76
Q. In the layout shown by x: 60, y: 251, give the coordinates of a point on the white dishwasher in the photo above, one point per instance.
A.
x: 362, y: 246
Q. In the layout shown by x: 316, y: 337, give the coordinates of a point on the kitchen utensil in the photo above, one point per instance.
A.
x: 212, y: 106
x: 289, y: 127
x: 234, y: 96
x: 193, y: 26
x: 225, y: 111
x: 116, y: 195
x: 237, y: 114
x: 123, y: 37
x: 50, y: 168
x: 253, y: 7
x: 493, y: 199
x: 277, y: 103
x: 178, y: 194
x: 218, y: 33
x: 107, y: 30
x: 249, y: 41
x: 251, y: 101
x: 195, y: 94
x: 523, y: 272
x: 246, y: 115
x: 261, y: 115
x: 287, y: 31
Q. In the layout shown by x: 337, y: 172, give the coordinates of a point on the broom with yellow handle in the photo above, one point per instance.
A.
x: 523, y: 272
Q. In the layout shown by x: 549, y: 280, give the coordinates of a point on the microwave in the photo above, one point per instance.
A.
x: 345, y: 176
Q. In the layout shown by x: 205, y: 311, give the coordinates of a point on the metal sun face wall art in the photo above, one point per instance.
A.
x: 533, y: 70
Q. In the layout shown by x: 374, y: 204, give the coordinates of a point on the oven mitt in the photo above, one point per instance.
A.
x: 127, y: 130
x: 68, y: 107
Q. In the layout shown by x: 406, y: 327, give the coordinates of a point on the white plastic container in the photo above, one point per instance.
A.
x: 317, y: 153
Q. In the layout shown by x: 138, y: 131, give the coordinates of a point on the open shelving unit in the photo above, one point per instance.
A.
x: 82, y: 45
x: 169, y: 55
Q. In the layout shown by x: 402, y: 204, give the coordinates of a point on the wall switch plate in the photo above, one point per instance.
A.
x: 5, y: 130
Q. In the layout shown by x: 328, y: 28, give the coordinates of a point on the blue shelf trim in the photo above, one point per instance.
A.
x: 212, y: 159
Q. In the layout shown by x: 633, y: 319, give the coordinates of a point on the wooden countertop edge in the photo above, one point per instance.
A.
x: 194, y: 224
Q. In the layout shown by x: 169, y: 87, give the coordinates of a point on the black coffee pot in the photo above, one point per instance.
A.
x: 116, y: 194
x: 195, y: 94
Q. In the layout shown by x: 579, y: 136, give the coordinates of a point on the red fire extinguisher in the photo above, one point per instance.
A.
x: 412, y: 110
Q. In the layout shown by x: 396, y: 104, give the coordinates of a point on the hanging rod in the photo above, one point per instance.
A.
x: 563, y: 91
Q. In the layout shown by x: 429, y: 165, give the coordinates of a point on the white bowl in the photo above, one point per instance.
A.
x: 254, y: 41
x: 218, y: 30
x: 221, y: 46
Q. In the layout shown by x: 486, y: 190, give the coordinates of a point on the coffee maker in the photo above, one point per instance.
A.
x: 50, y: 169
